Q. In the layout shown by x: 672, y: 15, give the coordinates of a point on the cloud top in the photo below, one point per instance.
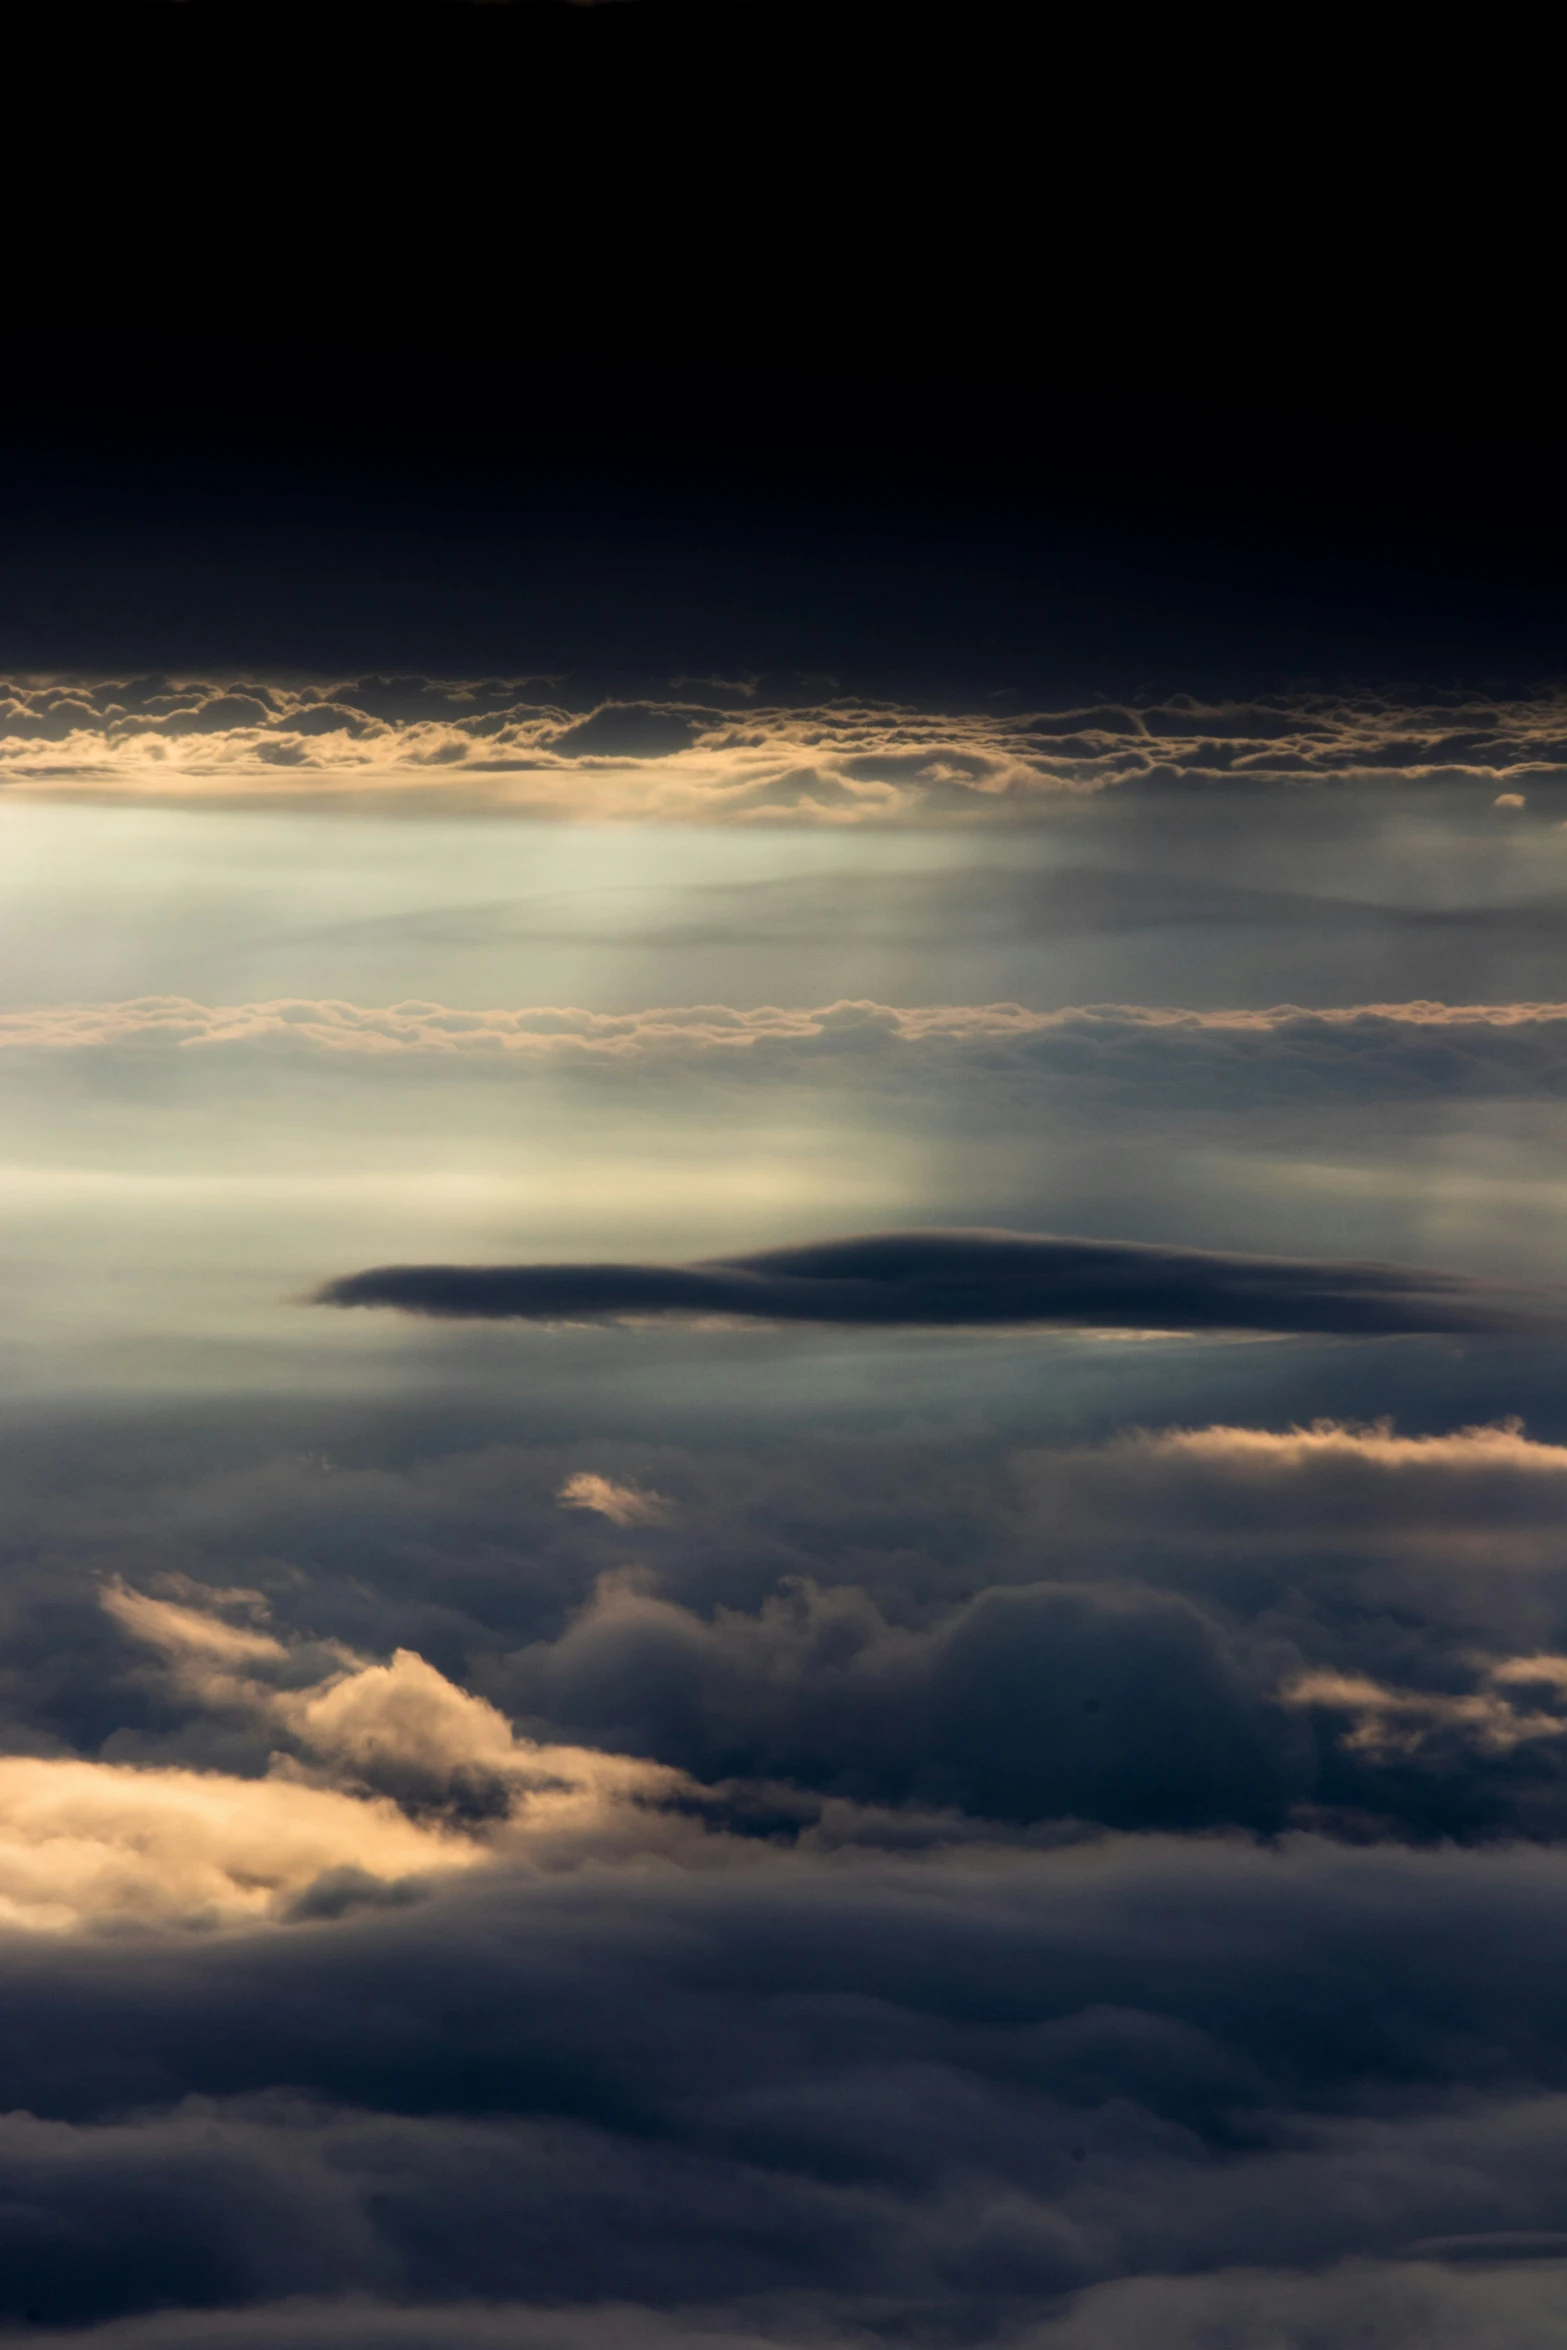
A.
x: 960, y: 1278
x: 736, y: 754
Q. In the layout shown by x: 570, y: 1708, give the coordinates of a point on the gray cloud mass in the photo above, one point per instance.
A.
x: 900, y: 2097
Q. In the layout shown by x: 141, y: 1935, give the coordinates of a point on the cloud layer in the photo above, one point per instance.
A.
x: 746, y: 1837
x: 955, y: 1278
x: 738, y: 752
x: 775, y: 1912
x: 1286, y: 1055
x: 903, y: 2096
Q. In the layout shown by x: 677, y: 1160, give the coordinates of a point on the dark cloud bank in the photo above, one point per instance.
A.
x: 810, y: 2100
x: 964, y: 1279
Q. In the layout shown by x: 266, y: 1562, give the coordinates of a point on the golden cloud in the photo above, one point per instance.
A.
x: 494, y: 744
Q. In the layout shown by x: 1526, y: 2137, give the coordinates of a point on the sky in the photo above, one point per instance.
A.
x: 783, y: 1082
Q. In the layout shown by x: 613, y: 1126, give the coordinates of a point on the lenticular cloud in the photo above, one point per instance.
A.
x: 962, y: 1279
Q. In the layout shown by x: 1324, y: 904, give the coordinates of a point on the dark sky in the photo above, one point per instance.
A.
x: 960, y: 519
x: 629, y: 338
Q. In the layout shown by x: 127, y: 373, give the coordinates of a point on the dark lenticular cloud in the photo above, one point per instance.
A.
x: 956, y: 1279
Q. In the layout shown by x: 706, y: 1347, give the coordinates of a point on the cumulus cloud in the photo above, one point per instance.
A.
x: 958, y: 1278
x: 736, y: 756
x: 386, y: 1773
x: 399, y: 1730
x: 828, y: 1720
x: 1496, y: 1715
x: 1040, y: 1702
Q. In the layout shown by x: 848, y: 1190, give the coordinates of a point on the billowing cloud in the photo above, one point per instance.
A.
x: 956, y: 1278
x: 1038, y: 1703
x: 398, y: 1730
x: 736, y: 756
x: 385, y: 1774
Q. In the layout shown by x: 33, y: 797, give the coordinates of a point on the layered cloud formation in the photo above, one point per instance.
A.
x: 718, y: 751
x: 755, y: 1827
x: 769, y: 1910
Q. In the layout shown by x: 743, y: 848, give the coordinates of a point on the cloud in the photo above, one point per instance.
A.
x: 623, y: 1505
x: 772, y: 2097
x: 200, y: 1640
x: 1473, y: 1502
x: 834, y: 1644
x: 1387, y: 1722
x: 961, y: 1279
x: 363, y: 2321
x: 514, y: 745
x: 1040, y: 1702
x: 400, y: 1731
x: 1378, y: 2305
x: 932, y: 1948
x: 1381, y: 1054
x: 1382, y: 2305
x: 387, y: 1773
x: 85, y: 1843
